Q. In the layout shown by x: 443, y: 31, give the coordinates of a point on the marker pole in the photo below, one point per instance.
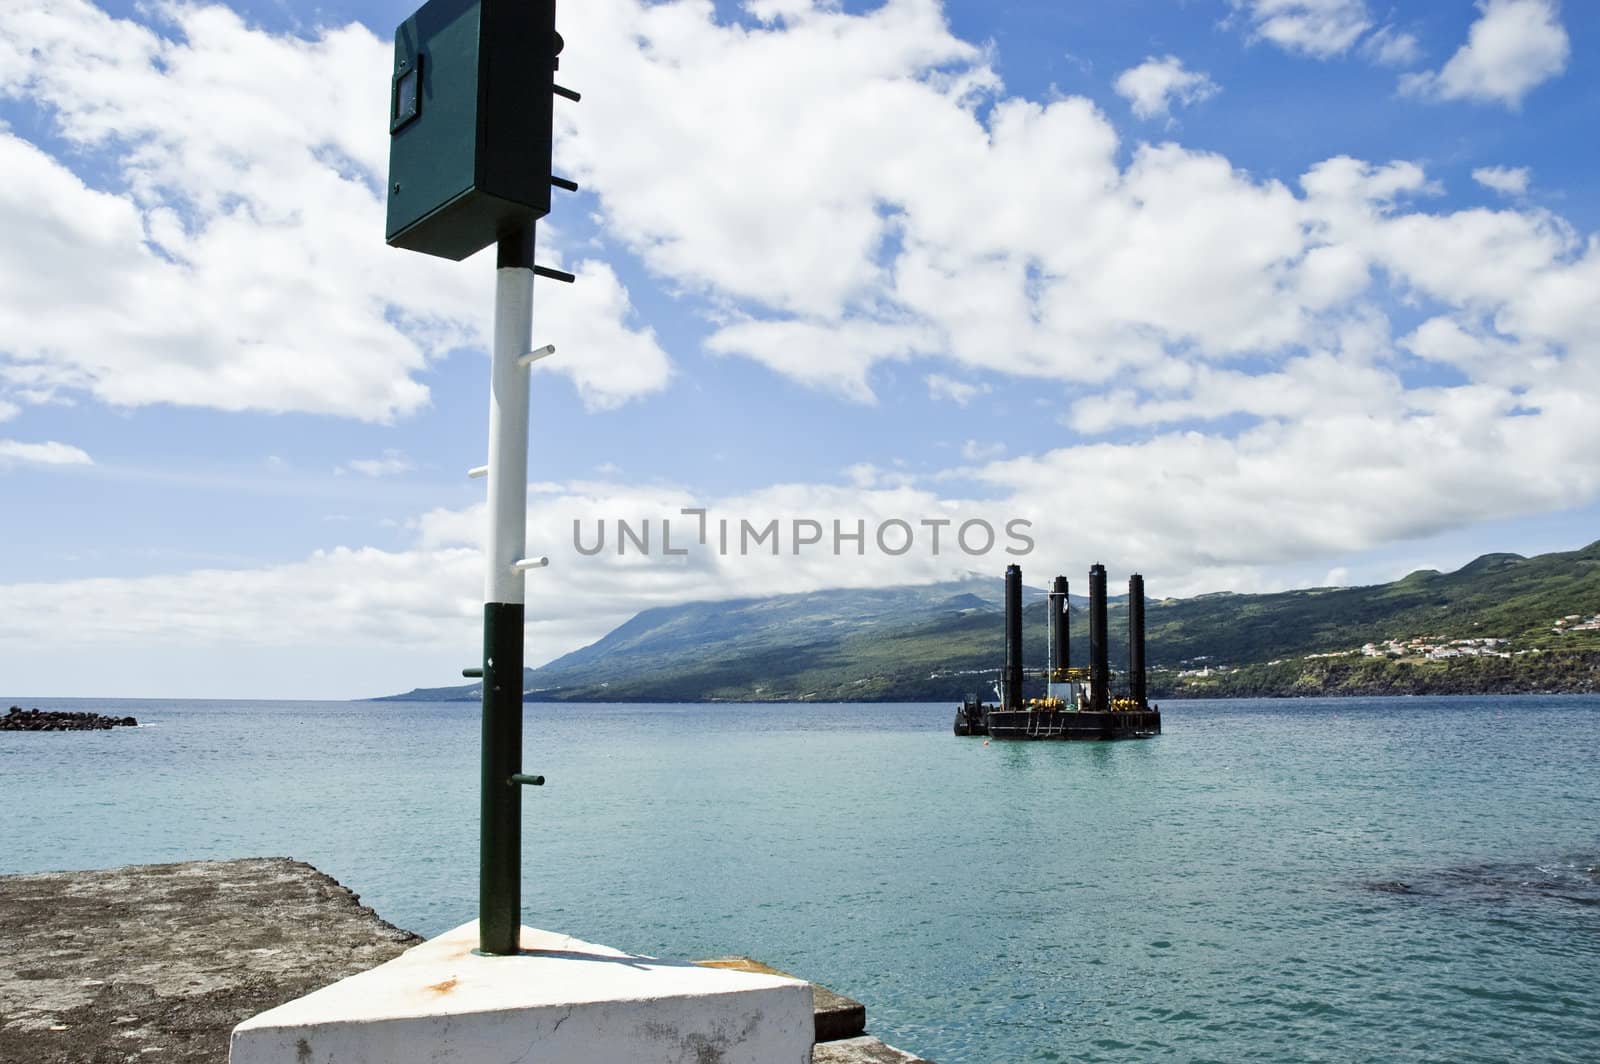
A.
x: 500, y: 848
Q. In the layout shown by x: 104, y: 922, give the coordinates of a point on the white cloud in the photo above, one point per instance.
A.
x: 1155, y: 85
x: 8, y: 410
x: 599, y: 345
x: 16, y: 452
x: 427, y: 595
x: 1318, y: 483
x: 1174, y: 288
x: 973, y: 451
x: 1480, y: 354
x: 392, y: 463
x: 1318, y: 477
x: 835, y: 357
x: 866, y: 475
x: 1318, y: 28
x: 1506, y: 180
x: 1514, y: 46
x: 959, y: 392
x: 349, y: 596
x: 1388, y: 46
x: 238, y: 262
x: 1081, y: 269
x: 850, y: 205
x: 823, y: 116
x: 774, y: 10
x: 829, y: 218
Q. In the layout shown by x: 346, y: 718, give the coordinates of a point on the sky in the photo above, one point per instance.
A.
x: 1241, y: 294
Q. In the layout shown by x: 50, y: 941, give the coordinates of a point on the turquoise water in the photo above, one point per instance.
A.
x: 1207, y: 895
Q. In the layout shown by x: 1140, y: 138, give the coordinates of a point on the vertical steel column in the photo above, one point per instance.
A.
x: 1059, y: 654
x: 1011, y: 679
x: 1066, y: 625
x: 1136, y: 677
x: 1099, y: 651
x: 500, y: 843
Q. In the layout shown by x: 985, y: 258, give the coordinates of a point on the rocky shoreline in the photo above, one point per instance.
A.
x: 19, y: 719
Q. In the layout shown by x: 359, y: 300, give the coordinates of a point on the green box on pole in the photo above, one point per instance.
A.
x: 470, y: 111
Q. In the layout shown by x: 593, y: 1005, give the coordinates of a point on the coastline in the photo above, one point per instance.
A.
x: 1347, y: 674
x: 1213, y: 693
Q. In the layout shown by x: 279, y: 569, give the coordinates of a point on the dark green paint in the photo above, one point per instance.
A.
x: 474, y: 162
x: 500, y: 844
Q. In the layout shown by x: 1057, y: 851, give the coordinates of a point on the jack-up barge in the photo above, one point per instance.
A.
x: 1078, y: 703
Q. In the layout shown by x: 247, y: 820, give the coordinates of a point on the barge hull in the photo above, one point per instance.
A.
x: 1059, y: 724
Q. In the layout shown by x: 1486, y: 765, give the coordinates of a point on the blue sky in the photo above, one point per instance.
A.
x: 1246, y: 294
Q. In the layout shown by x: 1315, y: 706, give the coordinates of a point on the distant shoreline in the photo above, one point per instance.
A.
x: 1319, y: 676
x: 1173, y: 696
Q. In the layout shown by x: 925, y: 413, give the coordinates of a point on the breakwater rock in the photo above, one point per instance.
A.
x: 19, y: 719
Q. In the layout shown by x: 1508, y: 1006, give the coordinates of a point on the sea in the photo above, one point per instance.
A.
x: 1377, y: 879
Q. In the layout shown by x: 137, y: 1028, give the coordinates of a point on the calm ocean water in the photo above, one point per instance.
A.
x: 1207, y: 895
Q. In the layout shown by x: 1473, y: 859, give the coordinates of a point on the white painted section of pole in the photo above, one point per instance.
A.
x: 508, y: 435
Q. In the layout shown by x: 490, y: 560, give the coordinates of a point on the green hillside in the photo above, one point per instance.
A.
x: 937, y: 642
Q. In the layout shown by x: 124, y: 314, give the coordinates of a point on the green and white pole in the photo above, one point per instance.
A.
x: 500, y: 849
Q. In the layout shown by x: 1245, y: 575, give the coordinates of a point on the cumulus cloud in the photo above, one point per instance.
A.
x: 1506, y: 180
x: 956, y: 391
x: 1317, y: 28
x: 16, y: 452
x: 1155, y: 85
x: 871, y: 195
x: 1513, y: 47
x: 232, y: 227
x: 832, y: 218
x: 1388, y: 46
x: 392, y: 463
x: 1318, y: 476
x: 1319, y: 483
x: 833, y: 356
x: 429, y: 593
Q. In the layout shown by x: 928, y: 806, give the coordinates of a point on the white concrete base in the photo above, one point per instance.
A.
x: 560, y: 1001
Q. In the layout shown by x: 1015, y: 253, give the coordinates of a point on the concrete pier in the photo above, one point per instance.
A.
x: 558, y: 1000
x: 160, y: 962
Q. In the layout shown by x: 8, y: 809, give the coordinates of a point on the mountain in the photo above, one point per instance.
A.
x: 939, y: 641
